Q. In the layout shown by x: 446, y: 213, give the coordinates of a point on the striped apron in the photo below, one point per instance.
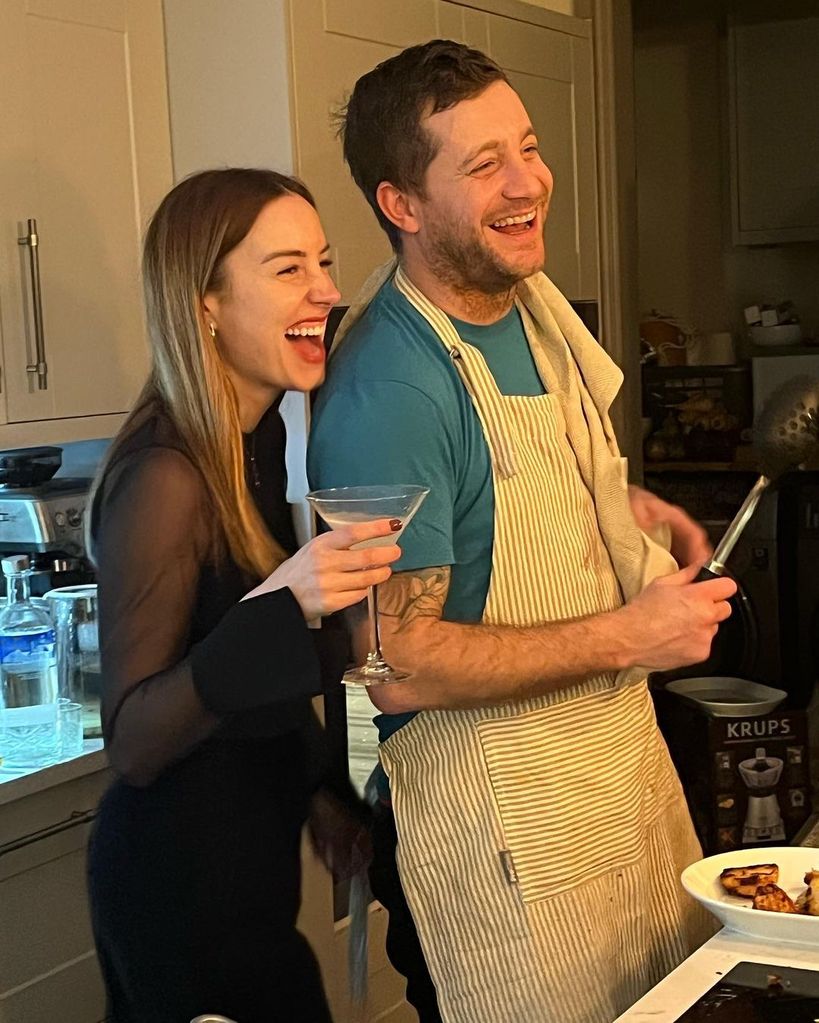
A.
x: 541, y: 842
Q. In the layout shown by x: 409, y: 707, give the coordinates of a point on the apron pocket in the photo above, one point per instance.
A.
x: 577, y: 786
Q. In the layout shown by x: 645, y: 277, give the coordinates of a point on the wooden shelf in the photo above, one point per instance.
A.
x: 649, y: 467
x: 744, y: 460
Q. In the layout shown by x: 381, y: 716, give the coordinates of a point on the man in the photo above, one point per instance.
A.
x: 541, y: 827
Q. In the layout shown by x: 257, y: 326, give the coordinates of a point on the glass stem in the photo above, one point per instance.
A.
x: 375, y: 633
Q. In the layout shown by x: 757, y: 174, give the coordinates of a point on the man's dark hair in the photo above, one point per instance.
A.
x: 384, y: 139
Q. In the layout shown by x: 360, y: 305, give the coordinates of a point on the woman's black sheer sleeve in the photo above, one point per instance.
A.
x: 260, y: 653
x: 162, y: 696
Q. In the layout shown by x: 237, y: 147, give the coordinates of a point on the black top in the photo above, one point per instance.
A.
x: 171, y: 616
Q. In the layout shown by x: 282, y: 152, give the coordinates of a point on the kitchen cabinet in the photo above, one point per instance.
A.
x: 85, y: 153
x: 548, y: 58
x: 48, y: 966
x: 774, y: 128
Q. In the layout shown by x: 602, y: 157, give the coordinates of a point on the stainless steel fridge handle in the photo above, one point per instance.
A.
x: 40, y: 367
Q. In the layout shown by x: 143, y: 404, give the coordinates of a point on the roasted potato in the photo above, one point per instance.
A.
x: 771, y: 898
x: 808, y: 901
x: 744, y: 881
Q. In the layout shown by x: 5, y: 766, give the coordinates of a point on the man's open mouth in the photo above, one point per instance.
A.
x: 515, y: 225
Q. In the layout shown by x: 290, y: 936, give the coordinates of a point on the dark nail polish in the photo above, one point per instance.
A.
x: 395, y: 525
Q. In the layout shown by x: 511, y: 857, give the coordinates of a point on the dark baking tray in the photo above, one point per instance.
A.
x: 759, y: 993
x: 29, y: 467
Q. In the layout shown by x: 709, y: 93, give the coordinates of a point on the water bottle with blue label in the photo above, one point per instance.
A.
x: 28, y: 675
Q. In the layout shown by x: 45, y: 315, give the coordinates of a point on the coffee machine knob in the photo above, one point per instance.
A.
x: 74, y: 517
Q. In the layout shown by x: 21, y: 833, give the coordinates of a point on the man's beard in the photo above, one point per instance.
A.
x: 469, y: 265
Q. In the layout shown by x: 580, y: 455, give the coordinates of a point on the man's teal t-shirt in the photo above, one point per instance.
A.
x: 394, y: 410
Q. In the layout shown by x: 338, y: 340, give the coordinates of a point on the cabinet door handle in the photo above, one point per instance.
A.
x: 74, y: 820
x: 32, y: 240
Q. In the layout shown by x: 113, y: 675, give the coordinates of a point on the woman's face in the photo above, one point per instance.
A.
x: 271, y: 313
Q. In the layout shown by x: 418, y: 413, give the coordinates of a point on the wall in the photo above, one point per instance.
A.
x: 82, y: 457
x: 772, y: 273
x: 687, y: 264
x: 677, y: 137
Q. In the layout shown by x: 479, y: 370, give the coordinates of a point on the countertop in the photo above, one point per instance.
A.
x: 18, y: 784
x: 701, y: 970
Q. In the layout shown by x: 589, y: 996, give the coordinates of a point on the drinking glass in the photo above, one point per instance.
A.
x: 342, y: 506
x: 69, y: 728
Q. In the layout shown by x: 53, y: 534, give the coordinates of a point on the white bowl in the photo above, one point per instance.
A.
x: 701, y: 880
x: 779, y: 334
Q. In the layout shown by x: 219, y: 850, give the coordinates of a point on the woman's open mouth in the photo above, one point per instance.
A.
x: 307, y: 340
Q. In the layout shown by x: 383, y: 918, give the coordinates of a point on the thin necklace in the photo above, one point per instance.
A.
x: 254, y: 468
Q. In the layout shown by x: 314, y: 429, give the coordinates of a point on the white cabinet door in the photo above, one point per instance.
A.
x: 84, y: 151
x: 549, y: 61
x: 48, y: 963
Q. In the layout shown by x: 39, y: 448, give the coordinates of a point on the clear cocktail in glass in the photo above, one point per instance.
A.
x: 342, y: 506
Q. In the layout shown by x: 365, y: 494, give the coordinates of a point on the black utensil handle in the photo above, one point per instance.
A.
x: 706, y: 573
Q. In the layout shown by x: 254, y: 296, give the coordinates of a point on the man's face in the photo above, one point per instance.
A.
x: 487, y: 172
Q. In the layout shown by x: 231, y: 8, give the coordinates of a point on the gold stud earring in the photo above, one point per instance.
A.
x: 212, y: 329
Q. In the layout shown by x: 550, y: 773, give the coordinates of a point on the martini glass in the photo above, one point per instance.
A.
x: 342, y: 506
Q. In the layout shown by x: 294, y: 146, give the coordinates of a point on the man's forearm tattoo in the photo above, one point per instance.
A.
x: 412, y: 595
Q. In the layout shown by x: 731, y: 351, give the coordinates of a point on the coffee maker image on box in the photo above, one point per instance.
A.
x: 763, y: 820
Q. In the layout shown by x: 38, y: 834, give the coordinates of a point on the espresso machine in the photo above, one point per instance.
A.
x: 44, y: 517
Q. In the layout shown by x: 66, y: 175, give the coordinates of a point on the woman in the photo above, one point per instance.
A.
x: 208, y: 664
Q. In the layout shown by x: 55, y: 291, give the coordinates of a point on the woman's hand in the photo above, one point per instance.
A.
x: 340, y: 840
x: 326, y: 576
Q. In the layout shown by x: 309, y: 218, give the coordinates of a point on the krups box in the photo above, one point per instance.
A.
x: 746, y: 779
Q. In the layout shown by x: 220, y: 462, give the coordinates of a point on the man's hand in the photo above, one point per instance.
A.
x: 673, y: 621
x: 689, y: 541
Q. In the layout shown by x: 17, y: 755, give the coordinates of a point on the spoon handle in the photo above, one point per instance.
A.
x: 716, y: 566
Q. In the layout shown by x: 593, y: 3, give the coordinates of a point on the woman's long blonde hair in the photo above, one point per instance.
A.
x: 195, y: 227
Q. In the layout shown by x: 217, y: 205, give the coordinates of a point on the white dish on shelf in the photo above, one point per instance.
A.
x: 778, y: 334
x: 701, y: 880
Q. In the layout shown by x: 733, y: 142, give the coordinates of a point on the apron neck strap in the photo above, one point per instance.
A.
x: 481, y: 387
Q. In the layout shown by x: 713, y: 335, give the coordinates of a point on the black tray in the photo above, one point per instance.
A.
x: 759, y: 993
x: 28, y: 467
